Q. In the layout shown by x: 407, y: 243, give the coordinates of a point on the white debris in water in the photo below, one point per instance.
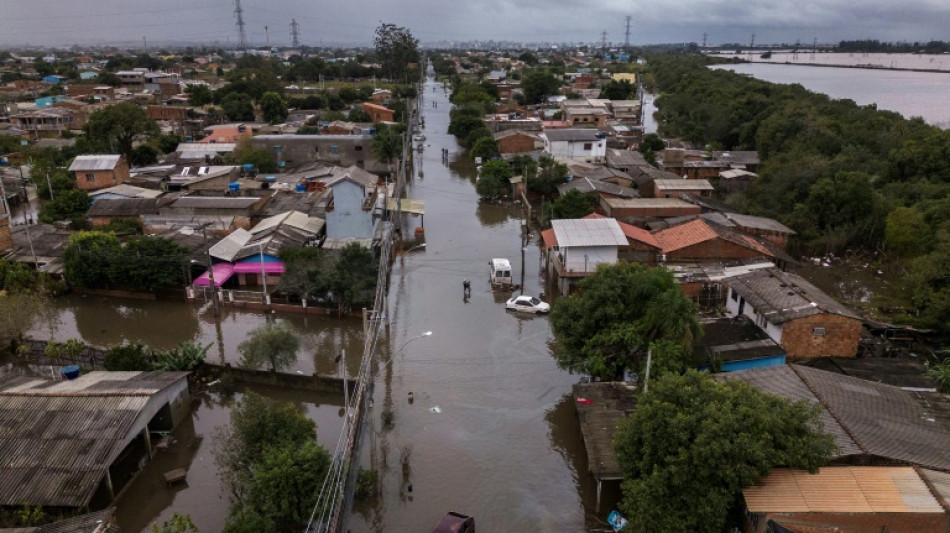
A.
x: 436, y: 409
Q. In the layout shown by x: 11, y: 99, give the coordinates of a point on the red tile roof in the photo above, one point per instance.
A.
x: 632, y: 232
x: 549, y: 238
x: 700, y: 230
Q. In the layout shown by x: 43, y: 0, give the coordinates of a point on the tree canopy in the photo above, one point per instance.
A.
x: 396, y: 48
x: 493, y: 179
x: 273, y: 344
x: 273, y: 107
x: 605, y: 328
x: 97, y: 260
x: 238, y: 106
x: 693, y: 444
x: 538, y: 85
x: 574, y: 204
x: 115, y: 127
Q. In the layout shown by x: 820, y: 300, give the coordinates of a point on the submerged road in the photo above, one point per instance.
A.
x: 491, y: 430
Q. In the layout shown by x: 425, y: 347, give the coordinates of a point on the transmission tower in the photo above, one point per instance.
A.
x: 294, y: 34
x: 242, y: 36
x: 603, y: 40
x: 626, y: 35
x: 704, y: 39
x: 814, y: 46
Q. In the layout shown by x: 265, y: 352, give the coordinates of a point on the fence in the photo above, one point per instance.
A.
x: 35, y: 352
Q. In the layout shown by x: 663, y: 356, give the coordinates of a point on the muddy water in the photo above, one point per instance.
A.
x: 148, y: 499
x: 163, y: 324
x: 491, y: 431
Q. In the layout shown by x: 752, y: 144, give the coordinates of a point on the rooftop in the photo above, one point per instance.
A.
x: 865, y: 417
x: 57, y: 438
x: 783, y: 296
x: 682, y: 185
x: 700, y: 230
x: 573, y: 135
x: 842, y: 489
x: 610, y: 403
x: 84, y: 163
x: 588, y: 232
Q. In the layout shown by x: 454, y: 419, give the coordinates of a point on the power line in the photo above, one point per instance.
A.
x: 242, y: 36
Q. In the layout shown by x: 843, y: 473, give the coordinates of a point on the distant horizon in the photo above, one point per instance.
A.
x: 130, y: 23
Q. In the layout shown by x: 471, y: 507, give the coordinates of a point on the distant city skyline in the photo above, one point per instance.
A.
x: 130, y: 23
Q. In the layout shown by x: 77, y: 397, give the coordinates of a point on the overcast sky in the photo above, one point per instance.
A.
x: 126, y: 22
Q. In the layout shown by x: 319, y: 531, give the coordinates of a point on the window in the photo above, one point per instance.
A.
x: 818, y: 332
x: 588, y: 146
x: 90, y: 176
x: 334, y: 149
x: 734, y: 295
x: 359, y: 148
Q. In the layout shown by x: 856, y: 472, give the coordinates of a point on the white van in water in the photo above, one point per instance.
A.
x: 500, y: 275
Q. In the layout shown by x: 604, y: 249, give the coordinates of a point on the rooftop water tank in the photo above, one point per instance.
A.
x: 70, y: 372
x: 301, y: 187
x: 234, y: 187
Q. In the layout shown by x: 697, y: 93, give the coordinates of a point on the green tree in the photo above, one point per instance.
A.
x: 108, y: 78
x: 273, y: 107
x: 90, y: 257
x: 387, y: 145
x: 537, y: 86
x: 485, y: 147
x: 907, y: 233
x: 357, y: 114
x: 179, y: 523
x: 143, y: 155
x: 574, y: 204
x: 307, y: 273
x: 693, y: 444
x: 493, y: 179
x: 547, y: 176
x: 199, y: 94
x: 68, y: 205
x: 263, y: 159
x: 128, y: 357
x: 238, y: 106
x: 396, y: 48
x: 353, y: 278
x: 606, y: 328
x: 46, y: 174
x: 151, y: 263
x: 115, y: 127
x: 618, y: 90
x: 272, y: 343
x: 19, y: 311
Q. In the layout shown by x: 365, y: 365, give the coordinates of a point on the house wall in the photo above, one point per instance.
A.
x: 100, y: 179
x: 712, y: 249
x: 840, y: 338
x: 377, y: 114
x: 576, y: 150
x: 167, y: 112
x: 657, y: 193
x: 637, y: 252
x: 734, y: 301
x: 343, y: 151
x: 776, y: 238
x: 838, y: 522
x: 574, y: 257
x: 582, y: 119
x: 516, y: 144
x: 348, y: 219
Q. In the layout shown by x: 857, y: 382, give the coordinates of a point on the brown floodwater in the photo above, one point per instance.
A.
x: 492, y: 428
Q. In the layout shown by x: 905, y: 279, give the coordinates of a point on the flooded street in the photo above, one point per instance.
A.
x: 492, y: 429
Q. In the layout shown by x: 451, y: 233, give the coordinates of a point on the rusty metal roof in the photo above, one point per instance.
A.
x: 57, y: 438
x: 783, y: 296
x: 842, y: 489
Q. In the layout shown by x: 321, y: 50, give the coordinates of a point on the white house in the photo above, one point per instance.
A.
x: 587, y: 145
x: 577, y: 246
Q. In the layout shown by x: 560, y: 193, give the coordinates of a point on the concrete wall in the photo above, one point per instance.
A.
x: 576, y: 150
x: 713, y: 249
x: 341, y: 150
x: 574, y: 257
x: 516, y: 144
x: 313, y: 383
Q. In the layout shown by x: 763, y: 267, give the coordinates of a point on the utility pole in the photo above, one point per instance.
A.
x: 626, y: 35
x: 242, y: 36
x: 144, y: 43
x: 266, y: 36
x: 294, y: 34
x: 214, y: 290
x: 603, y: 40
x: 814, y: 46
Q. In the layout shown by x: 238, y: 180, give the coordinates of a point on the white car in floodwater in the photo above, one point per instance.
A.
x: 527, y: 304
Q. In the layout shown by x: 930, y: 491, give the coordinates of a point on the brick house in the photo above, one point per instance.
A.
x: 794, y: 313
x: 700, y: 240
x: 6, y: 239
x: 518, y: 142
x: 581, y: 117
x: 378, y: 113
x: 647, y: 208
x: 99, y: 171
x: 382, y: 96
x: 847, y: 498
x: 167, y: 112
x: 642, y: 246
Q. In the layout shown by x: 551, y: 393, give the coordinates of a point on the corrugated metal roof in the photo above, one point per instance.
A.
x: 57, y: 438
x: 98, y: 522
x: 683, y: 185
x: 783, y: 296
x: 206, y: 148
x: 213, y: 202
x: 646, y: 203
x: 94, y: 162
x: 228, y: 247
x: 842, y: 489
x: 129, y: 191
x: 588, y: 232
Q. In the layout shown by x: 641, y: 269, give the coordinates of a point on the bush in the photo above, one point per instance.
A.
x: 366, y: 482
x: 186, y: 356
x: 128, y: 357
